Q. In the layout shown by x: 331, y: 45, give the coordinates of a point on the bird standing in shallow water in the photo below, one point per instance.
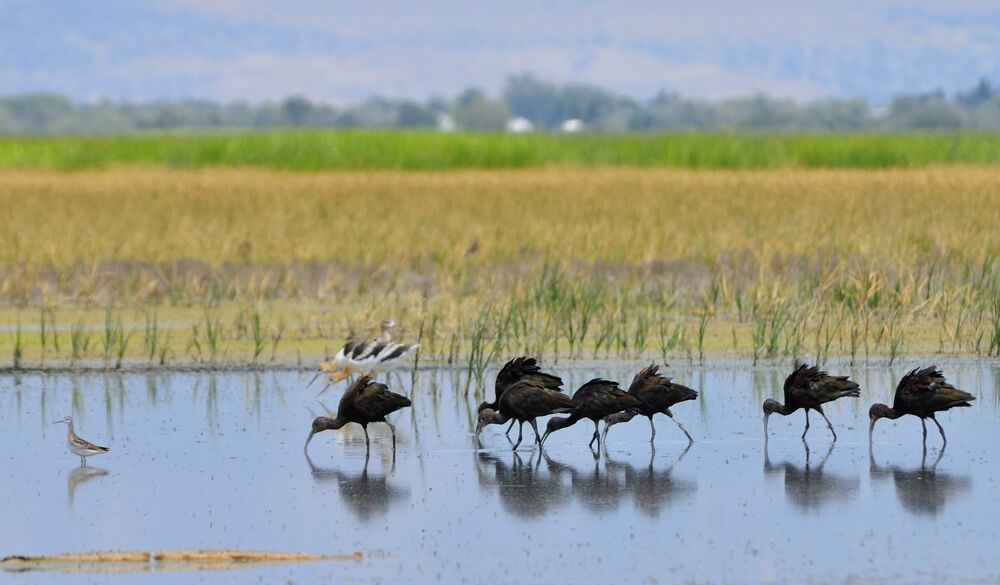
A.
x: 657, y: 394
x: 370, y: 356
x: 921, y: 392
x: 809, y: 387
x: 366, y: 401
x: 594, y: 400
x: 523, y: 402
x: 517, y: 369
x: 79, y: 446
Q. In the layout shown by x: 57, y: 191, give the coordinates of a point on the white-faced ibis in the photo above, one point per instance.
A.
x: 366, y: 401
x: 921, y: 392
x: 517, y: 369
x: 525, y: 401
x: 78, y: 446
x: 657, y: 394
x: 369, y: 355
x: 594, y: 400
x: 809, y: 388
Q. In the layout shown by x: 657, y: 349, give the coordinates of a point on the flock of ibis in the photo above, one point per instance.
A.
x: 523, y: 392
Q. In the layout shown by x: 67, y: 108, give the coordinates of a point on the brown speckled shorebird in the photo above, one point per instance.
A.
x: 79, y: 446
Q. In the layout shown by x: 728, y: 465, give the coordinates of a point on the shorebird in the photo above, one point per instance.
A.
x: 523, y: 402
x: 366, y: 401
x: 79, y: 446
x: 517, y: 369
x: 657, y: 394
x: 369, y: 356
x: 594, y: 400
x: 809, y: 387
x: 921, y: 392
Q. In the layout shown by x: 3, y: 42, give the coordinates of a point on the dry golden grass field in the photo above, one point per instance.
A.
x: 233, y: 265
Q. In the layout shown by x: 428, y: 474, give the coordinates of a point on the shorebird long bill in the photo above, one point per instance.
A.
x: 314, y: 378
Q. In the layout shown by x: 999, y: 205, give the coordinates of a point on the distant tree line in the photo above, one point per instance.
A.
x: 546, y: 105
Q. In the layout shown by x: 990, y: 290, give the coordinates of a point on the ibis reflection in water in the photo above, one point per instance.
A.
x: 541, y: 485
x: 809, y: 486
x: 367, y: 495
x: 923, y: 490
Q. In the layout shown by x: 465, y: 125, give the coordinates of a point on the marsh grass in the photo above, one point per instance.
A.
x: 221, y: 264
x: 375, y: 150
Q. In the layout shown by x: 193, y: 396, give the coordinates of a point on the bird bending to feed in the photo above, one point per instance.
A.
x: 594, y: 400
x: 921, y: 392
x: 79, y: 446
x: 517, y: 369
x: 366, y: 401
x: 809, y: 387
x: 368, y: 356
x: 656, y: 394
x: 525, y: 401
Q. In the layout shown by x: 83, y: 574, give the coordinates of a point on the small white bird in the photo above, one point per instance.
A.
x: 369, y: 356
x: 79, y: 446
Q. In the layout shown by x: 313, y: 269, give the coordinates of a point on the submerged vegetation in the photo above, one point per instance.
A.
x: 251, y: 265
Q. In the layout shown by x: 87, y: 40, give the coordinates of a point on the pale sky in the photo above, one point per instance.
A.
x: 343, y: 52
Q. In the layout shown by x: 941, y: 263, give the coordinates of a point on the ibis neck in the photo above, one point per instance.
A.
x: 556, y: 423
x: 786, y: 409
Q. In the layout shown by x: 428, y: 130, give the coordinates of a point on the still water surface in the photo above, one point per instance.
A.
x: 203, y: 460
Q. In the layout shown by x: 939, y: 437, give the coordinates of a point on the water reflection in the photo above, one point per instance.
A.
x: 809, y: 487
x: 652, y: 489
x: 542, y: 485
x: 80, y: 475
x: 598, y: 490
x: 922, y: 490
x: 367, y: 496
x: 525, y: 490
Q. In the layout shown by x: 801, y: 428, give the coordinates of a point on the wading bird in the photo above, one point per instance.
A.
x: 809, y: 387
x: 517, y: 369
x: 523, y: 402
x: 369, y: 356
x: 79, y: 446
x: 921, y: 392
x: 657, y: 394
x: 594, y: 400
x: 366, y: 401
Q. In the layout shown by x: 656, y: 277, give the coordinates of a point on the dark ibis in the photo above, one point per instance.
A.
x: 657, y: 393
x: 808, y: 387
x: 594, y: 400
x: 524, y: 402
x: 921, y: 392
x: 517, y: 369
x: 365, y: 401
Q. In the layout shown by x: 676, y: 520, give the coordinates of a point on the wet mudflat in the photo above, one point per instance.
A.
x: 201, y: 460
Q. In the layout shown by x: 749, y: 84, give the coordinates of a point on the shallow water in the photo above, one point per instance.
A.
x: 201, y: 460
